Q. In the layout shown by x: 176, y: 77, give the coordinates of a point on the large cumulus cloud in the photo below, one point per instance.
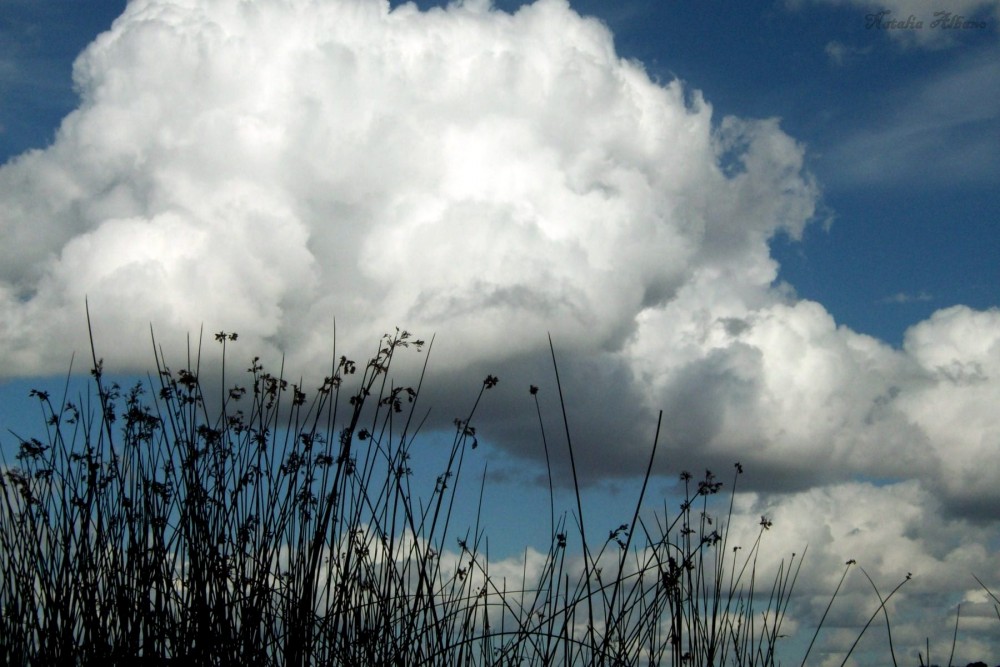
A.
x: 284, y: 167
x: 280, y: 168
x: 270, y: 166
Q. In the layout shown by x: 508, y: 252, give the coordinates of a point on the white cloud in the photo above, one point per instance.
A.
x: 487, y: 176
x: 273, y: 168
x: 891, y: 531
x: 959, y: 349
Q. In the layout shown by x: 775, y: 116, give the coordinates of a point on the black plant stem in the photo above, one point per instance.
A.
x: 631, y: 531
x: 579, y: 502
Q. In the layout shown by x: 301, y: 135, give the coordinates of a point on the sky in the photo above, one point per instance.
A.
x: 776, y: 222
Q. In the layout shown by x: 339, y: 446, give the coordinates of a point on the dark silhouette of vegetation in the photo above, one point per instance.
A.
x: 285, y: 529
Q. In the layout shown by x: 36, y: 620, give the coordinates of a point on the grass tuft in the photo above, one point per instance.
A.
x: 285, y: 529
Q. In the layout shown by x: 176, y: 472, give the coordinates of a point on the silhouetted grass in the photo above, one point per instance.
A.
x: 285, y: 529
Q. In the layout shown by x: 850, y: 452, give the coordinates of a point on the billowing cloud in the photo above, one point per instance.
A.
x: 279, y: 169
x: 893, y: 532
x: 268, y: 168
x: 284, y: 169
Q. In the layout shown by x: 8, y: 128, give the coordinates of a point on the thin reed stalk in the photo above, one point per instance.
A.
x: 286, y: 529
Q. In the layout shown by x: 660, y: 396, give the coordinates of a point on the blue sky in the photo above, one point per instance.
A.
x: 776, y: 222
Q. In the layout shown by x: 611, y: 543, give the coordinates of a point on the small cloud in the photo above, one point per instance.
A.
x: 841, y: 54
x: 903, y: 297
